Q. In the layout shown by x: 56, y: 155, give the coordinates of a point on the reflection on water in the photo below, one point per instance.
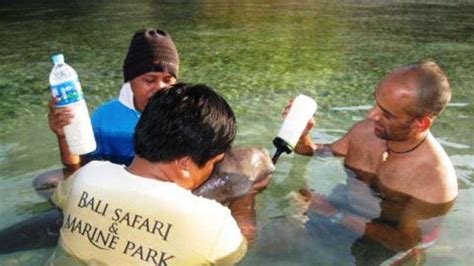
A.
x: 258, y: 54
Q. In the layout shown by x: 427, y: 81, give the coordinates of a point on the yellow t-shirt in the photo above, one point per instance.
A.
x: 114, y: 217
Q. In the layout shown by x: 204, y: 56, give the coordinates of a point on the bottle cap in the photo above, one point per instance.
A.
x: 58, y: 58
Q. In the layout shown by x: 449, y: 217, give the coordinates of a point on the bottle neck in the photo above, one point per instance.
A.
x: 276, y: 156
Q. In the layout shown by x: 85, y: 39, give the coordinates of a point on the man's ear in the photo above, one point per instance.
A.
x: 183, y: 165
x: 218, y: 157
x: 424, y: 123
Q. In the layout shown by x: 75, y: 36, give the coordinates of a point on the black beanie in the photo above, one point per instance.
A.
x: 151, y: 50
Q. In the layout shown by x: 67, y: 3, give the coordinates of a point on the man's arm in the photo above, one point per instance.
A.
x: 57, y: 119
x: 243, y: 210
x: 401, y: 237
x: 71, y: 161
x: 306, y: 146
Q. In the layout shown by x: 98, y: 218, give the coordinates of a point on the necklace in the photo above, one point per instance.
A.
x: 386, y: 153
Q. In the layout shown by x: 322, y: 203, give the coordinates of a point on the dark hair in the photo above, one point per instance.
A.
x: 185, y: 120
x: 433, y: 91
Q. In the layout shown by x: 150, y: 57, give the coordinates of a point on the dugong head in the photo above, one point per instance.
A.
x: 234, y: 176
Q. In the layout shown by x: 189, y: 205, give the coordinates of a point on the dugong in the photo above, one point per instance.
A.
x: 232, y: 177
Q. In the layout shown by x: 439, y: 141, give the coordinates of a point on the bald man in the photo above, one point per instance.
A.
x: 401, y: 182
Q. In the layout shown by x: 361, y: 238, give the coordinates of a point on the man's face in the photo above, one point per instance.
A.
x: 146, y: 85
x: 392, y: 122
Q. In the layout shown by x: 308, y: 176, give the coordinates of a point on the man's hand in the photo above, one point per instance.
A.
x: 305, y: 145
x: 310, y: 125
x: 59, y: 117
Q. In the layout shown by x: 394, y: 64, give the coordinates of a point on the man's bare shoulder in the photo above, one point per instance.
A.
x: 444, y: 175
x: 436, y: 177
x: 363, y: 128
x: 360, y: 131
x: 437, y: 186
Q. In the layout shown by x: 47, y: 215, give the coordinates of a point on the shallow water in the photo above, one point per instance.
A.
x: 258, y: 54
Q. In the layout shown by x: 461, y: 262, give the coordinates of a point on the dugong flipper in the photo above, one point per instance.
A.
x: 46, y: 182
x: 39, y: 231
x: 234, y: 176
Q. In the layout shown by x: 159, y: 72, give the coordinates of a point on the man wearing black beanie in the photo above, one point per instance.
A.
x: 151, y: 64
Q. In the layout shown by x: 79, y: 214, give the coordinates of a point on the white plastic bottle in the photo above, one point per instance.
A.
x: 65, y: 86
x: 301, y: 111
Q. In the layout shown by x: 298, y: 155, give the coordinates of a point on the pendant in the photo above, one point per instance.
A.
x: 384, y: 156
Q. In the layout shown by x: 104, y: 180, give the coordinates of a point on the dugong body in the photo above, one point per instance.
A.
x: 232, y: 177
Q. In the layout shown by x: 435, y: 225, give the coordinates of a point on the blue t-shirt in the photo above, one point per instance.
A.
x: 114, y: 126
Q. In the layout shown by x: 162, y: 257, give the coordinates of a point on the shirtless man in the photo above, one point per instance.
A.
x: 393, y: 152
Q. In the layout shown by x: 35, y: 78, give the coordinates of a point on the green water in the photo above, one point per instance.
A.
x: 258, y: 54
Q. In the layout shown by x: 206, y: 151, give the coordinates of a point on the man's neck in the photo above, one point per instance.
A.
x: 408, y: 145
x: 147, y: 169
